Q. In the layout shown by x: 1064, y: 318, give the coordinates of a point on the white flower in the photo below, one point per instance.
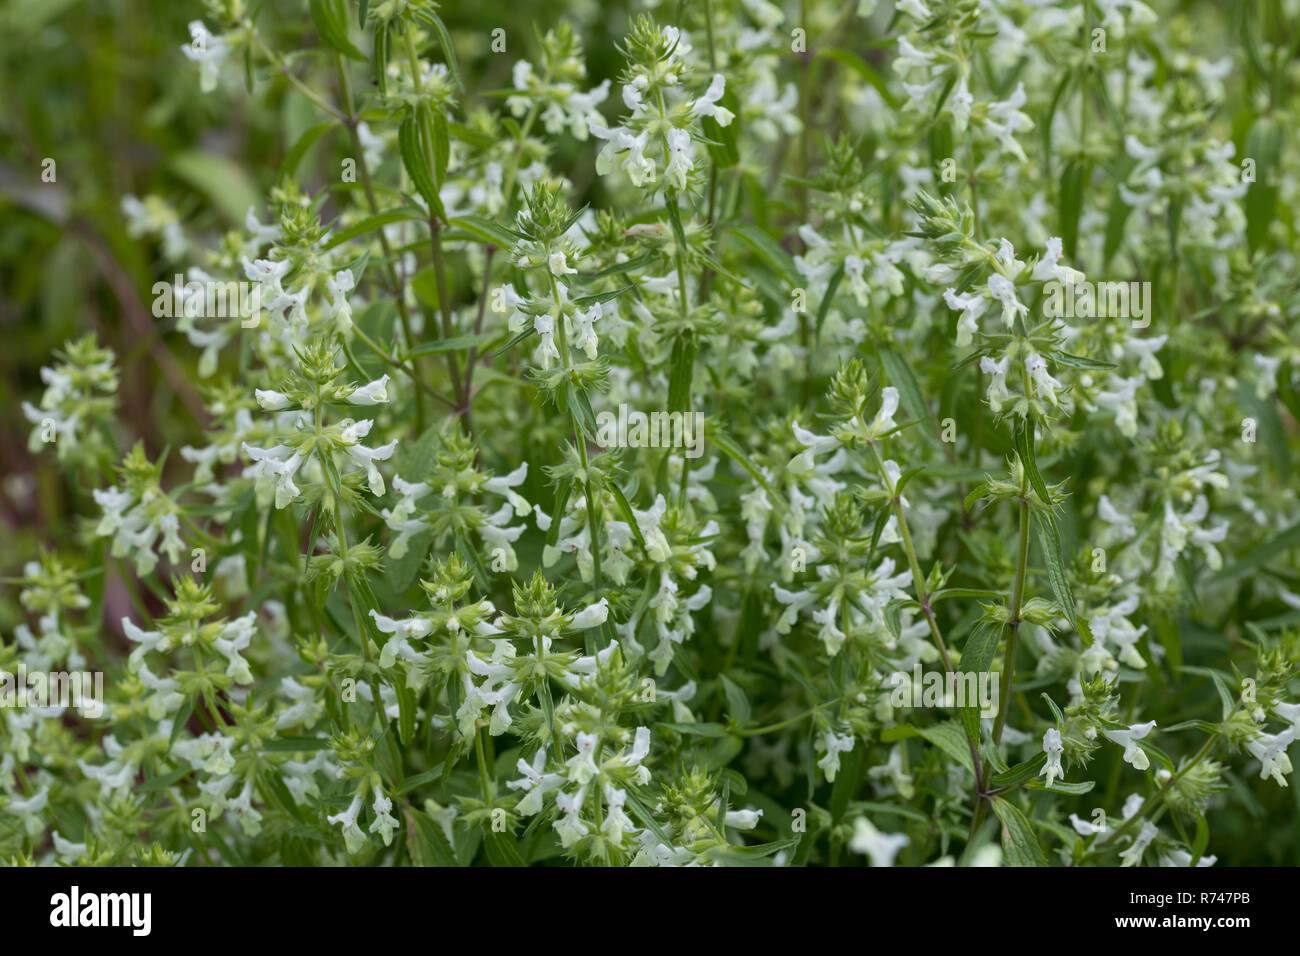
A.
x: 1053, y: 748
x: 1086, y: 828
x: 209, y: 51
x: 1121, y: 399
x: 385, y: 824
x: 586, y: 338
x: 960, y: 103
x: 914, y: 9
x: 1270, y: 751
x: 881, y: 847
x: 571, y: 827
x: 1145, y: 351
x: 558, y: 263
x: 1049, y: 269
x: 884, y: 420
x: 592, y: 616
x: 707, y: 105
x: 372, y: 393
x: 972, y: 307
x: 639, y: 168
x: 998, y: 394
x: 544, y: 326
x: 743, y: 819
x: 347, y: 819
x: 1133, y: 855
x: 364, y: 457
x: 338, y: 286
x: 1127, y: 739
x: 504, y: 485
x: 680, y: 162
x: 1046, y: 385
x: 1004, y: 291
x: 270, y: 400
x: 534, y: 782
x: 836, y: 744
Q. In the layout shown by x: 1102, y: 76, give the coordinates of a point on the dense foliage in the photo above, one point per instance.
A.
x: 965, y: 336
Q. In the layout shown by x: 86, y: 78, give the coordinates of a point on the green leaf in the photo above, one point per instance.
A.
x: 296, y: 744
x: 738, y: 708
x: 432, y: 842
x: 1050, y: 543
x: 152, y: 784
x: 846, y: 782
x: 951, y: 739
x: 293, y: 159
x: 561, y: 502
x: 222, y: 181
x: 417, y: 165
x: 406, y: 709
x: 1024, y: 438
x: 1020, y: 772
x: 1202, y: 839
x: 515, y: 341
x: 1078, y: 361
x: 485, y: 230
x: 436, y: 129
x: 371, y: 223
x: 733, y: 451
x: 681, y: 374
x: 1263, y: 554
x: 331, y: 21
x: 1019, y: 843
x: 1062, y: 786
x: 1073, y: 182
x: 770, y: 252
x: 900, y: 375
x: 448, y: 48
x: 1116, y: 217
x: 722, y: 139
x: 698, y: 729
x: 625, y: 508
x: 1272, y: 433
x: 460, y: 343
x: 181, y: 719
x: 977, y: 657
x: 828, y: 297
x: 1264, y: 146
x: 502, y: 849
x: 381, y: 58
x: 948, y: 593
x: 419, y: 779
x: 854, y: 62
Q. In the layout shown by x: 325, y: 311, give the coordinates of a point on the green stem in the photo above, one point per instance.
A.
x: 1017, y: 603
x: 395, y: 284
